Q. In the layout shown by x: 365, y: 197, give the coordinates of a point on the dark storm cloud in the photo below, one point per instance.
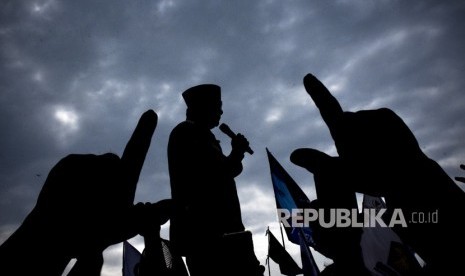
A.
x: 76, y: 76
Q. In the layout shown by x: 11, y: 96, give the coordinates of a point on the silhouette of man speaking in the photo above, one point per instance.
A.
x: 207, y: 208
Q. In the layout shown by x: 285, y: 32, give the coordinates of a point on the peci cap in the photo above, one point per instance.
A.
x: 202, y: 94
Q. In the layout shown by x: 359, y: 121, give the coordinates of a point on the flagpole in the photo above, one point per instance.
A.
x: 268, y: 255
x: 282, y: 236
x: 269, y: 270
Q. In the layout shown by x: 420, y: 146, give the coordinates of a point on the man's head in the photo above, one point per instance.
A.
x: 204, y: 104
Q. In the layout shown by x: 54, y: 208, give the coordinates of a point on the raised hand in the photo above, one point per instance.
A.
x: 240, y: 143
x: 379, y: 155
x: 85, y: 205
x: 377, y: 140
x: 103, y: 197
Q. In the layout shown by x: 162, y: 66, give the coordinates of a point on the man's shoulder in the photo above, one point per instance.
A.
x: 183, y: 127
x: 185, y: 130
x: 190, y: 132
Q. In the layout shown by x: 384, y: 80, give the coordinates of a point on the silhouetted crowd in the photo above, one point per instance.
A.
x: 87, y: 201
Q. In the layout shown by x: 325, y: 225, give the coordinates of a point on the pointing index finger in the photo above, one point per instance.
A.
x: 330, y: 109
x: 135, y: 151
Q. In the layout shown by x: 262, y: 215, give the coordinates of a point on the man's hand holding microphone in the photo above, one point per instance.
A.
x: 239, y: 142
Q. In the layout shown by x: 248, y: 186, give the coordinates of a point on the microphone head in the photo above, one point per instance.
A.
x: 223, y: 127
x: 226, y: 130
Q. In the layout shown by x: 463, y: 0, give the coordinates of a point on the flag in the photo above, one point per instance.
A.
x: 376, y: 241
x: 309, y: 266
x: 279, y: 255
x: 289, y: 196
x: 131, y: 258
x: 382, y: 249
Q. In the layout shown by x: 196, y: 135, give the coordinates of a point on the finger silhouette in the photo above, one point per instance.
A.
x: 461, y: 178
x: 310, y: 159
x: 330, y: 109
x: 164, y: 209
x: 136, y: 149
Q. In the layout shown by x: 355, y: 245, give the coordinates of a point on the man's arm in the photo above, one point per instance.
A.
x: 239, y: 146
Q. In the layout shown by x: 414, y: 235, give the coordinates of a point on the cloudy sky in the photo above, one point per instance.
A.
x: 76, y: 76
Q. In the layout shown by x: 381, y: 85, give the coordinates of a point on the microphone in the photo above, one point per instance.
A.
x: 226, y: 130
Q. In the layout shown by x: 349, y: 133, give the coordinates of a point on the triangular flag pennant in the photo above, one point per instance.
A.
x: 309, y: 266
x: 382, y: 248
x: 289, y: 196
x: 131, y: 258
x: 279, y: 255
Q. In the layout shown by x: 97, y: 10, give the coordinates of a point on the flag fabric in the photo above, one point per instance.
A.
x: 289, y: 196
x: 279, y: 255
x: 131, y: 258
x: 309, y: 267
x: 382, y: 247
x: 376, y: 241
